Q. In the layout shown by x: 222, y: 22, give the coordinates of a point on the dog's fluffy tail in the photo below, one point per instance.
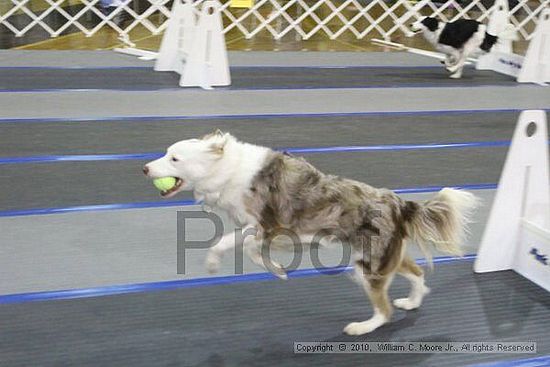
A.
x: 442, y: 222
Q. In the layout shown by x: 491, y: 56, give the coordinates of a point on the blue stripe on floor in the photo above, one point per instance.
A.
x: 540, y: 361
x: 311, y: 150
x: 186, y: 283
x: 256, y: 116
x: 159, y: 204
x: 94, y: 208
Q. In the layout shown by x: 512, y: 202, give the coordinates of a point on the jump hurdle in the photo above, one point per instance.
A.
x: 192, y: 46
x: 534, y: 67
x: 177, y: 41
x: 517, y: 235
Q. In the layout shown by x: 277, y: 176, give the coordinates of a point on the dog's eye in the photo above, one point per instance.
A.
x: 174, y: 159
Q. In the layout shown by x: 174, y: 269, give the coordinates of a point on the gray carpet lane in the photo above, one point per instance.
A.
x: 196, y: 102
x: 256, y: 324
x: 82, y: 183
x: 104, y: 58
x: 137, y: 136
x: 94, y: 249
x: 142, y: 79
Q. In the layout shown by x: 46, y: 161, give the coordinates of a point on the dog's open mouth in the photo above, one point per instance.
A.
x: 173, y: 190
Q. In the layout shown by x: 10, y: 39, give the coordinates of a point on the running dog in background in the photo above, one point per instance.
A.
x: 274, y: 193
x: 457, y: 40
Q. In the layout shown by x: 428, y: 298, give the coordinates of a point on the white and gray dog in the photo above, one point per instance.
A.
x: 270, y: 191
x: 458, y: 40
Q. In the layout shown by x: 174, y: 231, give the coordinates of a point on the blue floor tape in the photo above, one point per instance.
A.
x: 161, y: 204
x: 306, y: 150
x: 539, y: 361
x: 186, y: 283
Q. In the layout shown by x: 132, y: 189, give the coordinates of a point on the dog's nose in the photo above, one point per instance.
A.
x: 145, y: 170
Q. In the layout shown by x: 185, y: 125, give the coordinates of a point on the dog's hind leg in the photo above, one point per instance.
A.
x: 414, y: 273
x: 375, y: 270
x: 377, y: 290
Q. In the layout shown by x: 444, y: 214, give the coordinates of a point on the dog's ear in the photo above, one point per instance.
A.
x: 218, y: 146
x: 214, y: 133
x: 431, y: 23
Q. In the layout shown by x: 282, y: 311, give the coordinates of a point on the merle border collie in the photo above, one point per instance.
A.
x: 274, y: 194
x: 458, y: 40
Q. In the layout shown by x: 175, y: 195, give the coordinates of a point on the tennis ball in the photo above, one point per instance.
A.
x: 164, y: 183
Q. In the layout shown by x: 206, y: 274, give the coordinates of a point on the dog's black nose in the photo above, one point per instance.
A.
x: 145, y: 170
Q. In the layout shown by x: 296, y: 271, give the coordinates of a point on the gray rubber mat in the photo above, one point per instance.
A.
x: 256, y: 324
x: 135, y: 136
x: 104, y: 58
x: 81, y: 183
x: 34, y: 79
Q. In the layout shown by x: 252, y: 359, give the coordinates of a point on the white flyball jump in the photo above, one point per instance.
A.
x: 192, y: 46
x: 534, y: 67
x: 195, y: 48
x: 207, y: 64
x: 178, y: 38
x: 517, y: 235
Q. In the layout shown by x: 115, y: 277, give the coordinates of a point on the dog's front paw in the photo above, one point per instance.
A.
x: 278, y: 270
x: 360, y: 328
x: 213, y: 261
x: 456, y: 75
x: 364, y: 327
x: 353, y: 328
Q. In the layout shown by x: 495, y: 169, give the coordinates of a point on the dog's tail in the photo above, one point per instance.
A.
x: 442, y: 222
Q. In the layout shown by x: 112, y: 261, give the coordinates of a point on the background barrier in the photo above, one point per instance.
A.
x: 304, y: 19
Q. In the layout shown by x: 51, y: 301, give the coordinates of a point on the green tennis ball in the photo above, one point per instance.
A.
x: 164, y: 183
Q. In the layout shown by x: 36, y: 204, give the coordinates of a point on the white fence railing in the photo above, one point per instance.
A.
x: 302, y: 18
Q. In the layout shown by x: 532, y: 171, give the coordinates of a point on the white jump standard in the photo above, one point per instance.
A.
x: 517, y: 235
x: 192, y: 46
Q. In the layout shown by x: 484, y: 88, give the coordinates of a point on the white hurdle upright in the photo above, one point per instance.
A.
x: 178, y: 38
x: 517, y: 235
x: 536, y: 66
x: 207, y: 64
x: 533, y: 68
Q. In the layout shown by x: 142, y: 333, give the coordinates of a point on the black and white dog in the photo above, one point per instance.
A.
x: 457, y: 40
